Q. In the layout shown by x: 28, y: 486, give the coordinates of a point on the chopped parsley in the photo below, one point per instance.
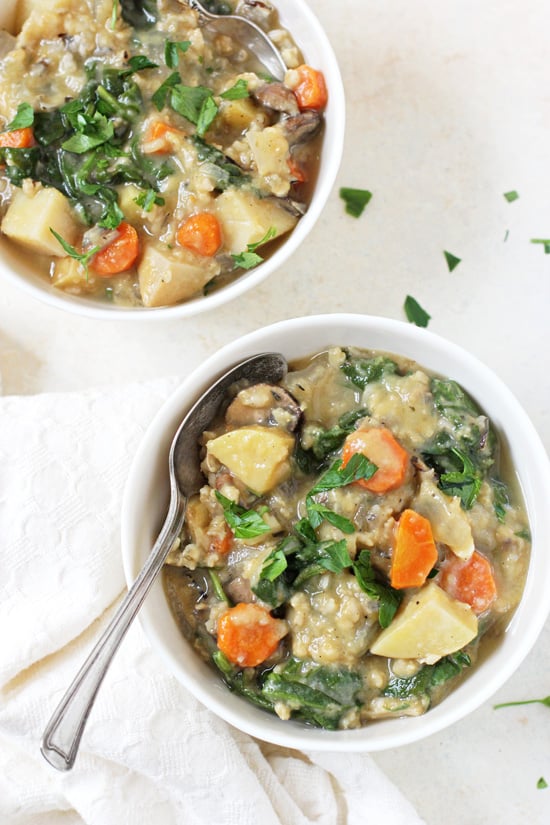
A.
x: 511, y: 196
x: 355, y: 200
x: 452, y: 260
x: 415, y: 313
x: 249, y: 258
x: 545, y: 242
x: 542, y: 783
x: 545, y: 701
x: 172, y: 51
x: 82, y: 258
x: 24, y: 118
x: 244, y: 524
x: 236, y: 92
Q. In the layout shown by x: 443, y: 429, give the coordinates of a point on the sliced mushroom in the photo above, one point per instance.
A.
x: 278, y: 97
x: 265, y: 404
x: 301, y: 127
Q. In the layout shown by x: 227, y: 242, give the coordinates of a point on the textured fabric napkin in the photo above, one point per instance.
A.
x: 150, y: 753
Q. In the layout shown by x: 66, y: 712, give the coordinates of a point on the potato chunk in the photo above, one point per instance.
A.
x: 31, y: 215
x: 258, y: 456
x: 168, y: 276
x: 245, y: 219
x: 270, y: 152
x: 429, y: 625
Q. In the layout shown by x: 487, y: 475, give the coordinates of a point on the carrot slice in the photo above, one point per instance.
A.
x: 471, y: 581
x: 18, y: 138
x: 248, y: 634
x: 201, y: 233
x: 119, y: 255
x: 297, y: 171
x: 414, y: 553
x: 222, y: 544
x: 380, y: 446
x: 311, y: 89
x: 157, y: 138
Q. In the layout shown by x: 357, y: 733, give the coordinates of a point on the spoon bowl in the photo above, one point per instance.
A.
x: 63, y: 733
x: 248, y: 34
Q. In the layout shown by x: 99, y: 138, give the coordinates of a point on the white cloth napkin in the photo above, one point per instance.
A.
x: 150, y: 753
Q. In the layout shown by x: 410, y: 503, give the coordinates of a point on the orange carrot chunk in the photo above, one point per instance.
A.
x: 297, y: 171
x: 18, y: 138
x: 157, y: 138
x: 201, y: 233
x: 311, y: 89
x: 380, y: 446
x: 414, y: 553
x: 469, y: 581
x: 119, y: 255
x: 248, y: 634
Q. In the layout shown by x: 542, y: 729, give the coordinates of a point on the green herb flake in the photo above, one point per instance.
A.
x: 415, y: 313
x: 452, y: 260
x: 542, y: 784
x: 24, y: 118
x: 236, y: 92
x: 172, y: 51
x: 511, y: 196
x: 545, y: 242
x: 545, y: 701
x: 355, y: 200
x: 244, y: 524
x: 82, y: 258
x: 249, y: 258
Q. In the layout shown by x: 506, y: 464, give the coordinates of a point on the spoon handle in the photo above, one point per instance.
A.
x: 63, y: 732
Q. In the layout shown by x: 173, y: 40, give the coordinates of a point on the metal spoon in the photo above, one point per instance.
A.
x: 251, y: 36
x: 63, y: 732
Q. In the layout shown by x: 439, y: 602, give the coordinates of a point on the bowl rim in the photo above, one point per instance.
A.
x: 331, y: 158
x: 534, y: 478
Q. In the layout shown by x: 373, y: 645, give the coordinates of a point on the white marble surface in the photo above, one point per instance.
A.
x: 448, y: 108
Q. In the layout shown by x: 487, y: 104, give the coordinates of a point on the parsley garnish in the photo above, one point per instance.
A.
x: 542, y: 783
x: 415, y: 313
x: 82, y: 258
x: 236, y: 92
x: 511, y: 196
x: 172, y: 51
x: 355, y: 200
x: 244, y: 524
x: 452, y: 260
x: 545, y: 701
x: 147, y: 199
x: 24, y: 118
x: 545, y: 242
x: 249, y: 258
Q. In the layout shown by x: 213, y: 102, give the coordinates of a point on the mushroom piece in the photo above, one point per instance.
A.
x: 301, y: 127
x: 264, y: 404
x: 278, y: 97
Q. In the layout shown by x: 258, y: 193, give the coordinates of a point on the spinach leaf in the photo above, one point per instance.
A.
x: 315, y: 693
x: 464, y: 483
x: 327, y: 441
x: 501, y: 499
x: 389, y: 598
x: 141, y: 14
x: 230, y: 173
x: 428, y: 677
x: 363, y: 371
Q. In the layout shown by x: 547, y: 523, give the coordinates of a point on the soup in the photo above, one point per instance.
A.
x: 357, y: 545
x: 145, y: 159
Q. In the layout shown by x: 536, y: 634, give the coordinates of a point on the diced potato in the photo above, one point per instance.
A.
x: 239, y: 114
x: 245, y: 219
x: 270, y: 152
x: 24, y: 9
x: 258, y: 456
x: 30, y: 217
x: 70, y: 275
x: 168, y: 276
x: 127, y: 202
x: 449, y: 522
x: 428, y: 626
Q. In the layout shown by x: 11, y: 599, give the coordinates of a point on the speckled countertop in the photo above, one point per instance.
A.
x: 447, y: 108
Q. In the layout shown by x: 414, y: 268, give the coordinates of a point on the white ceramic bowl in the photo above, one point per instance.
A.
x: 146, y: 499
x: 307, y: 32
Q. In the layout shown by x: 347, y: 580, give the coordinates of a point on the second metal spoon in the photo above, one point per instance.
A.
x: 63, y: 732
x: 248, y: 34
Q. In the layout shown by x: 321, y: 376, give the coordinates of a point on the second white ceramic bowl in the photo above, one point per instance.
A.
x: 146, y: 497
